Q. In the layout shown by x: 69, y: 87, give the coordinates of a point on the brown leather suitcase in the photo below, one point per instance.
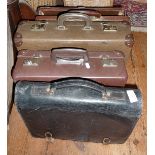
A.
x: 93, y: 18
x: 105, y: 67
x: 74, y: 30
x: 95, y: 15
x: 55, y: 11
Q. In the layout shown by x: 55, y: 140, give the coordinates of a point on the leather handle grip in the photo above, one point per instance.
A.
x: 72, y: 17
x: 73, y: 82
x: 70, y: 54
x: 89, y: 12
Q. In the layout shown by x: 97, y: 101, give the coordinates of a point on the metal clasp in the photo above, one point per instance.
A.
x: 113, y: 95
x: 30, y: 62
x: 41, y: 26
x: 106, y: 141
x: 106, y: 62
x: 48, y: 137
x: 106, y: 95
x: 121, y: 13
x: 50, y: 91
x: 109, y: 28
x: 34, y: 61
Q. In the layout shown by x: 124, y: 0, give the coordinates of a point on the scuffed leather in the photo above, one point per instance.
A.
x: 77, y: 109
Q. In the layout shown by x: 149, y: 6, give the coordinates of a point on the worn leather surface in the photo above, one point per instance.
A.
x: 78, y: 109
x: 47, y: 68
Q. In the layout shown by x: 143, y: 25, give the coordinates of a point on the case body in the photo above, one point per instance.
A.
x: 75, y: 30
x: 104, y: 67
x: 78, y: 109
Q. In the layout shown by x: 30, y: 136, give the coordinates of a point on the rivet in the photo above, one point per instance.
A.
x: 48, y: 137
x: 106, y: 141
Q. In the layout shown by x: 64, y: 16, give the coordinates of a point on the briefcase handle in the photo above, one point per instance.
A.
x: 89, y: 12
x: 80, y: 82
x: 70, y: 56
x: 73, y: 17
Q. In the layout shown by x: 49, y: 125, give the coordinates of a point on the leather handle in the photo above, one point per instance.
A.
x: 72, y: 17
x: 89, y: 12
x: 73, y: 82
x: 70, y: 54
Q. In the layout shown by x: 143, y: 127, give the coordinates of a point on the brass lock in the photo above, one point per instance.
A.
x: 40, y: 26
x: 109, y: 62
x: 109, y: 28
x: 33, y: 61
x: 30, y: 62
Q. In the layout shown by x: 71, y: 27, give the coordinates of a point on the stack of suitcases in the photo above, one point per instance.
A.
x: 70, y: 74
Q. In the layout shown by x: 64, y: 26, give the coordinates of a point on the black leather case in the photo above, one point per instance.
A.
x: 78, y: 109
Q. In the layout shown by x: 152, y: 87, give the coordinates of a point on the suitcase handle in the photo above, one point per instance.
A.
x: 70, y: 56
x: 89, y: 12
x: 72, y: 17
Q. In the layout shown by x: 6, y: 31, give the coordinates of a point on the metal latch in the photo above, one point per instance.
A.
x: 33, y: 61
x: 41, y: 26
x: 109, y: 62
x: 106, y: 141
x: 109, y: 28
x: 49, y: 137
x: 30, y: 62
x: 113, y: 95
x: 42, y: 91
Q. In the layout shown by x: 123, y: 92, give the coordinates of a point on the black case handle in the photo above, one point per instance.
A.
x: 72, y: 82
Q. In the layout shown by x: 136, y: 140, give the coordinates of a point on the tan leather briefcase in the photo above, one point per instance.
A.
x: 74, y: 30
